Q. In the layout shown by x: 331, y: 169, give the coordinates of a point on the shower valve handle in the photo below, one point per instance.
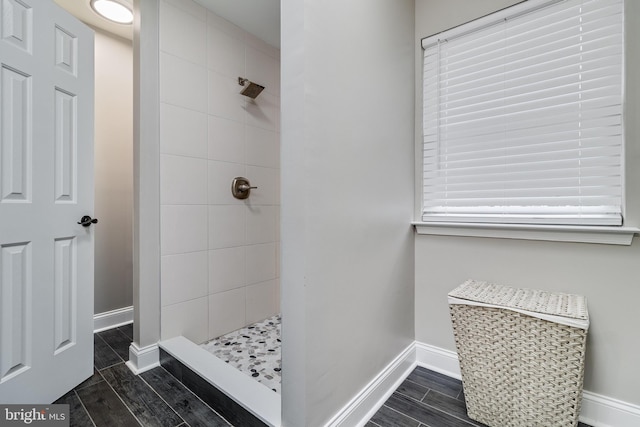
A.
x: 245, y: 187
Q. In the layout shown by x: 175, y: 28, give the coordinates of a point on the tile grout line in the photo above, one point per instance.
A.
x: 76, y: 388
x: 418, y: 384
x: 110, y: 348
x: 161, y: 398
x: 120, y: 397
x: 114, y: 391
x: 83, y: 407
x: 402, y: 413
x: 110, y: 366
x: 431, y: 389
x: 436, y: 379
x: 409, y: 397
x: 419, y: 402
x: 469, y: 421
x: 447, y: 413
x: 124, y: 333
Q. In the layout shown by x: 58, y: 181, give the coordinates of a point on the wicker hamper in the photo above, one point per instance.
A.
x: 521, y: 354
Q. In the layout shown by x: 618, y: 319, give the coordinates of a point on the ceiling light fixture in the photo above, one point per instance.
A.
x: 113, y: 10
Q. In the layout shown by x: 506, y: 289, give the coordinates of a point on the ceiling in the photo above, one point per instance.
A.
x: 259, y: 17
x: 81, y: 10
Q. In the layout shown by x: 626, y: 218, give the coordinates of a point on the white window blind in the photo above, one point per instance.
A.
x: 522, y: 119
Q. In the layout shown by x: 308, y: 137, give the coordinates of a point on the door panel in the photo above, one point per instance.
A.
x: 65, y: 146
x: 46, y: 183
x: 16, y: 311
x: 65, y: 294
x: 16, y: 136
x: 18, y: 25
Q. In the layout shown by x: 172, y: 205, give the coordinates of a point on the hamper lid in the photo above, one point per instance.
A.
x: 562, y: 308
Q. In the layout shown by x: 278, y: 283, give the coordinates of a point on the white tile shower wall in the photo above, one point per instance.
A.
x: 260, y: 300
x: 182, y: 82
x: 219, y: 254
x: 182, y: 35
x: 182, y: 229
x: 230, y: 310
x: 187, y: 318
x: 226, y: 140
x: 184, y: 277
x: 226, y: 226
x: 183, y: 132
x: 226, y: 269
x: 184, y: 180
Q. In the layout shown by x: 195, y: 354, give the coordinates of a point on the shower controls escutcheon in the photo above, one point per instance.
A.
x: 241, y: 187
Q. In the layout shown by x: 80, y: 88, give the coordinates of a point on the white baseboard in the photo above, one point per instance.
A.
x: 143, y: 359
x: 597, y: 410
x: 438, y: 359
x: 362, y: 407
x: 600, y: 411
x: 112, y: 319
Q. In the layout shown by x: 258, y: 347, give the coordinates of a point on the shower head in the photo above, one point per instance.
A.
x: 252, y: 90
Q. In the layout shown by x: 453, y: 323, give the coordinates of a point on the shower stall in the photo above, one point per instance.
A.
x: 219, y: 199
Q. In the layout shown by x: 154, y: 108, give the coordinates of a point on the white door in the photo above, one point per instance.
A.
x: 46, y: 186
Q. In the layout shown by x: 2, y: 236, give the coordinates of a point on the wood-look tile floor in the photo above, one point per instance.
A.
x: 426, y: 399
x: 114, y: 397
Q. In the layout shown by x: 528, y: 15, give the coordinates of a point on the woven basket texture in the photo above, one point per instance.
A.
x: 554, y: 303
x: 518, y: 370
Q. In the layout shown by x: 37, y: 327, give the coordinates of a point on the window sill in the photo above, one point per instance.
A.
x: 553, y: 233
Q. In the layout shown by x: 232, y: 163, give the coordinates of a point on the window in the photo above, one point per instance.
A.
x: 522, y: 119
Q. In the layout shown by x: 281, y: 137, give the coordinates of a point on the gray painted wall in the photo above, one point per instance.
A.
x: 347, y: 192
x: 113, y: 172
x: 608, y: 275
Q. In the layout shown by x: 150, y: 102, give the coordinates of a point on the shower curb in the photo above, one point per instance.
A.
x: 234, y: 395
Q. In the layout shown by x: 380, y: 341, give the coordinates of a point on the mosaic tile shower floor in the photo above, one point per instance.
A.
x: 253, y: 350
